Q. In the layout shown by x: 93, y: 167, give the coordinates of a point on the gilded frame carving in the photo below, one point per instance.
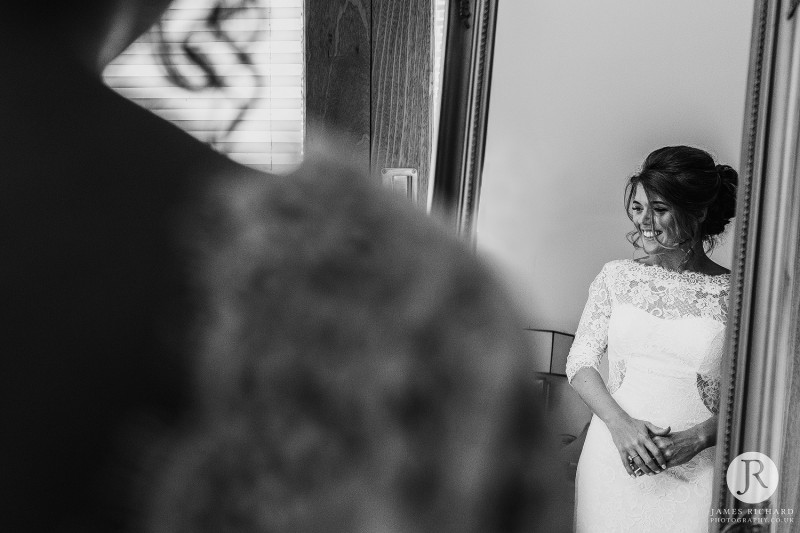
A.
x: 466, y: 80
x: 761, y: 346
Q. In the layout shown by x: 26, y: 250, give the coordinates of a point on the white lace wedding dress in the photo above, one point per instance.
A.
x: 664, y: 334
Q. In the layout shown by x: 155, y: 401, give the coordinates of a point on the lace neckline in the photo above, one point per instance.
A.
x: 685, y: 275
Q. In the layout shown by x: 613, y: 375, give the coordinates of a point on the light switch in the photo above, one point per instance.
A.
x: 403, y: 181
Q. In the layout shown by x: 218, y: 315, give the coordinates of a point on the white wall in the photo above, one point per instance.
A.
x: 581, y: 93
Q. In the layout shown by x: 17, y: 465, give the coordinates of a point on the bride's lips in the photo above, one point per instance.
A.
x: 649, y: 233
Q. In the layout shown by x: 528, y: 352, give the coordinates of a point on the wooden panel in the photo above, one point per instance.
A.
x: 401, y: 87
x: 789, y: 464
x: 338, y: 74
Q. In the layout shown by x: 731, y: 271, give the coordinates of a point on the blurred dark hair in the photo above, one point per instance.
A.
x: 375, y: 378
x: 188, y: 48
x: 701, y: 192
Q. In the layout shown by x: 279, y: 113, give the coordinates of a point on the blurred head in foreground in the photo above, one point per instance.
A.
x: 361, y: 372
x: 347, y: 366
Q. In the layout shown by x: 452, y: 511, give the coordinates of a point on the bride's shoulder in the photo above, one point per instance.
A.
x: 618, y: 266
x: 611, y: 272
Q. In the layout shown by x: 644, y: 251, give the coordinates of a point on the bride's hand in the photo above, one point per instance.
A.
x: 679, y: 447
x: 634, y: 438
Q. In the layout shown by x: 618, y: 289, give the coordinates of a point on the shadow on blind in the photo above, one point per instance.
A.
x: 267, y: 95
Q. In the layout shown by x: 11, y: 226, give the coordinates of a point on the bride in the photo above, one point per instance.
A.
x: 647, y: 463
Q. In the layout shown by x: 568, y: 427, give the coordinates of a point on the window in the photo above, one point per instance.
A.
x: 255, y: 115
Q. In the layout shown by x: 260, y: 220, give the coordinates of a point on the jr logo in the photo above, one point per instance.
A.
x: 752, y: 477
x: 755, y: 474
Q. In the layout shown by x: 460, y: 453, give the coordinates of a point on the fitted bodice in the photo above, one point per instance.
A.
x: 664, y: 333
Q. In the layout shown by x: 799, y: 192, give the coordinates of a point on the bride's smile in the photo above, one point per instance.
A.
x: 654, y: 220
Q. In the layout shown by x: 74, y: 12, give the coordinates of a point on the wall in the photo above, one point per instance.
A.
x: 581, y: 93
x: 369, y: 81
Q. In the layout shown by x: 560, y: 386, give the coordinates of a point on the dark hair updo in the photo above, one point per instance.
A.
x: 693, y: 185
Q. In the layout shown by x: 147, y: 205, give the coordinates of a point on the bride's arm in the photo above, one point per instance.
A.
x: 681, y: 446
x: 632, y: 437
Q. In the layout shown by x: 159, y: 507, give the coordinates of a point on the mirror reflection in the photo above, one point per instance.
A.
x: 609, y: 179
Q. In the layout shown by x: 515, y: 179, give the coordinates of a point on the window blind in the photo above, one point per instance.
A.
x: 269, y: 136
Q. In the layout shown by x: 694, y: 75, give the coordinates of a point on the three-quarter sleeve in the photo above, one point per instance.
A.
x: 709, y: 372
x: 591, y: 338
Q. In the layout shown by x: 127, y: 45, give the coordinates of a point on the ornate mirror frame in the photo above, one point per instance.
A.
x: 757, y: 384
x: 466, y: 80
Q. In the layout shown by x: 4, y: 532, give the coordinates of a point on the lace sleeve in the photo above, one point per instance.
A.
x: 708, y: 374
x: 591, y: 338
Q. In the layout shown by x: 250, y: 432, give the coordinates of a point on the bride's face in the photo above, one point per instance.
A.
x: 655, y: 220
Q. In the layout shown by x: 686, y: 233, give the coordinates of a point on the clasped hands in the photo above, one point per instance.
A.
x: 648, y: 449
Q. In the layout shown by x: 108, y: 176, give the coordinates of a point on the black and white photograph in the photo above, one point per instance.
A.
x: 400, y: 266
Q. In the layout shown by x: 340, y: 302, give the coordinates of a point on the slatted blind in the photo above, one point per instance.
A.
x: 270, y: 134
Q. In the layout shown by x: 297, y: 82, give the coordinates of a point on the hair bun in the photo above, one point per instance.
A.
x: 728, y: 175
x: 702, y: 192
x: 723, y: 208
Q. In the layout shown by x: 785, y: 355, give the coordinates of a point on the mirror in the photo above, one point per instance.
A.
x: 580, y: 94
x: 599, y: 87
